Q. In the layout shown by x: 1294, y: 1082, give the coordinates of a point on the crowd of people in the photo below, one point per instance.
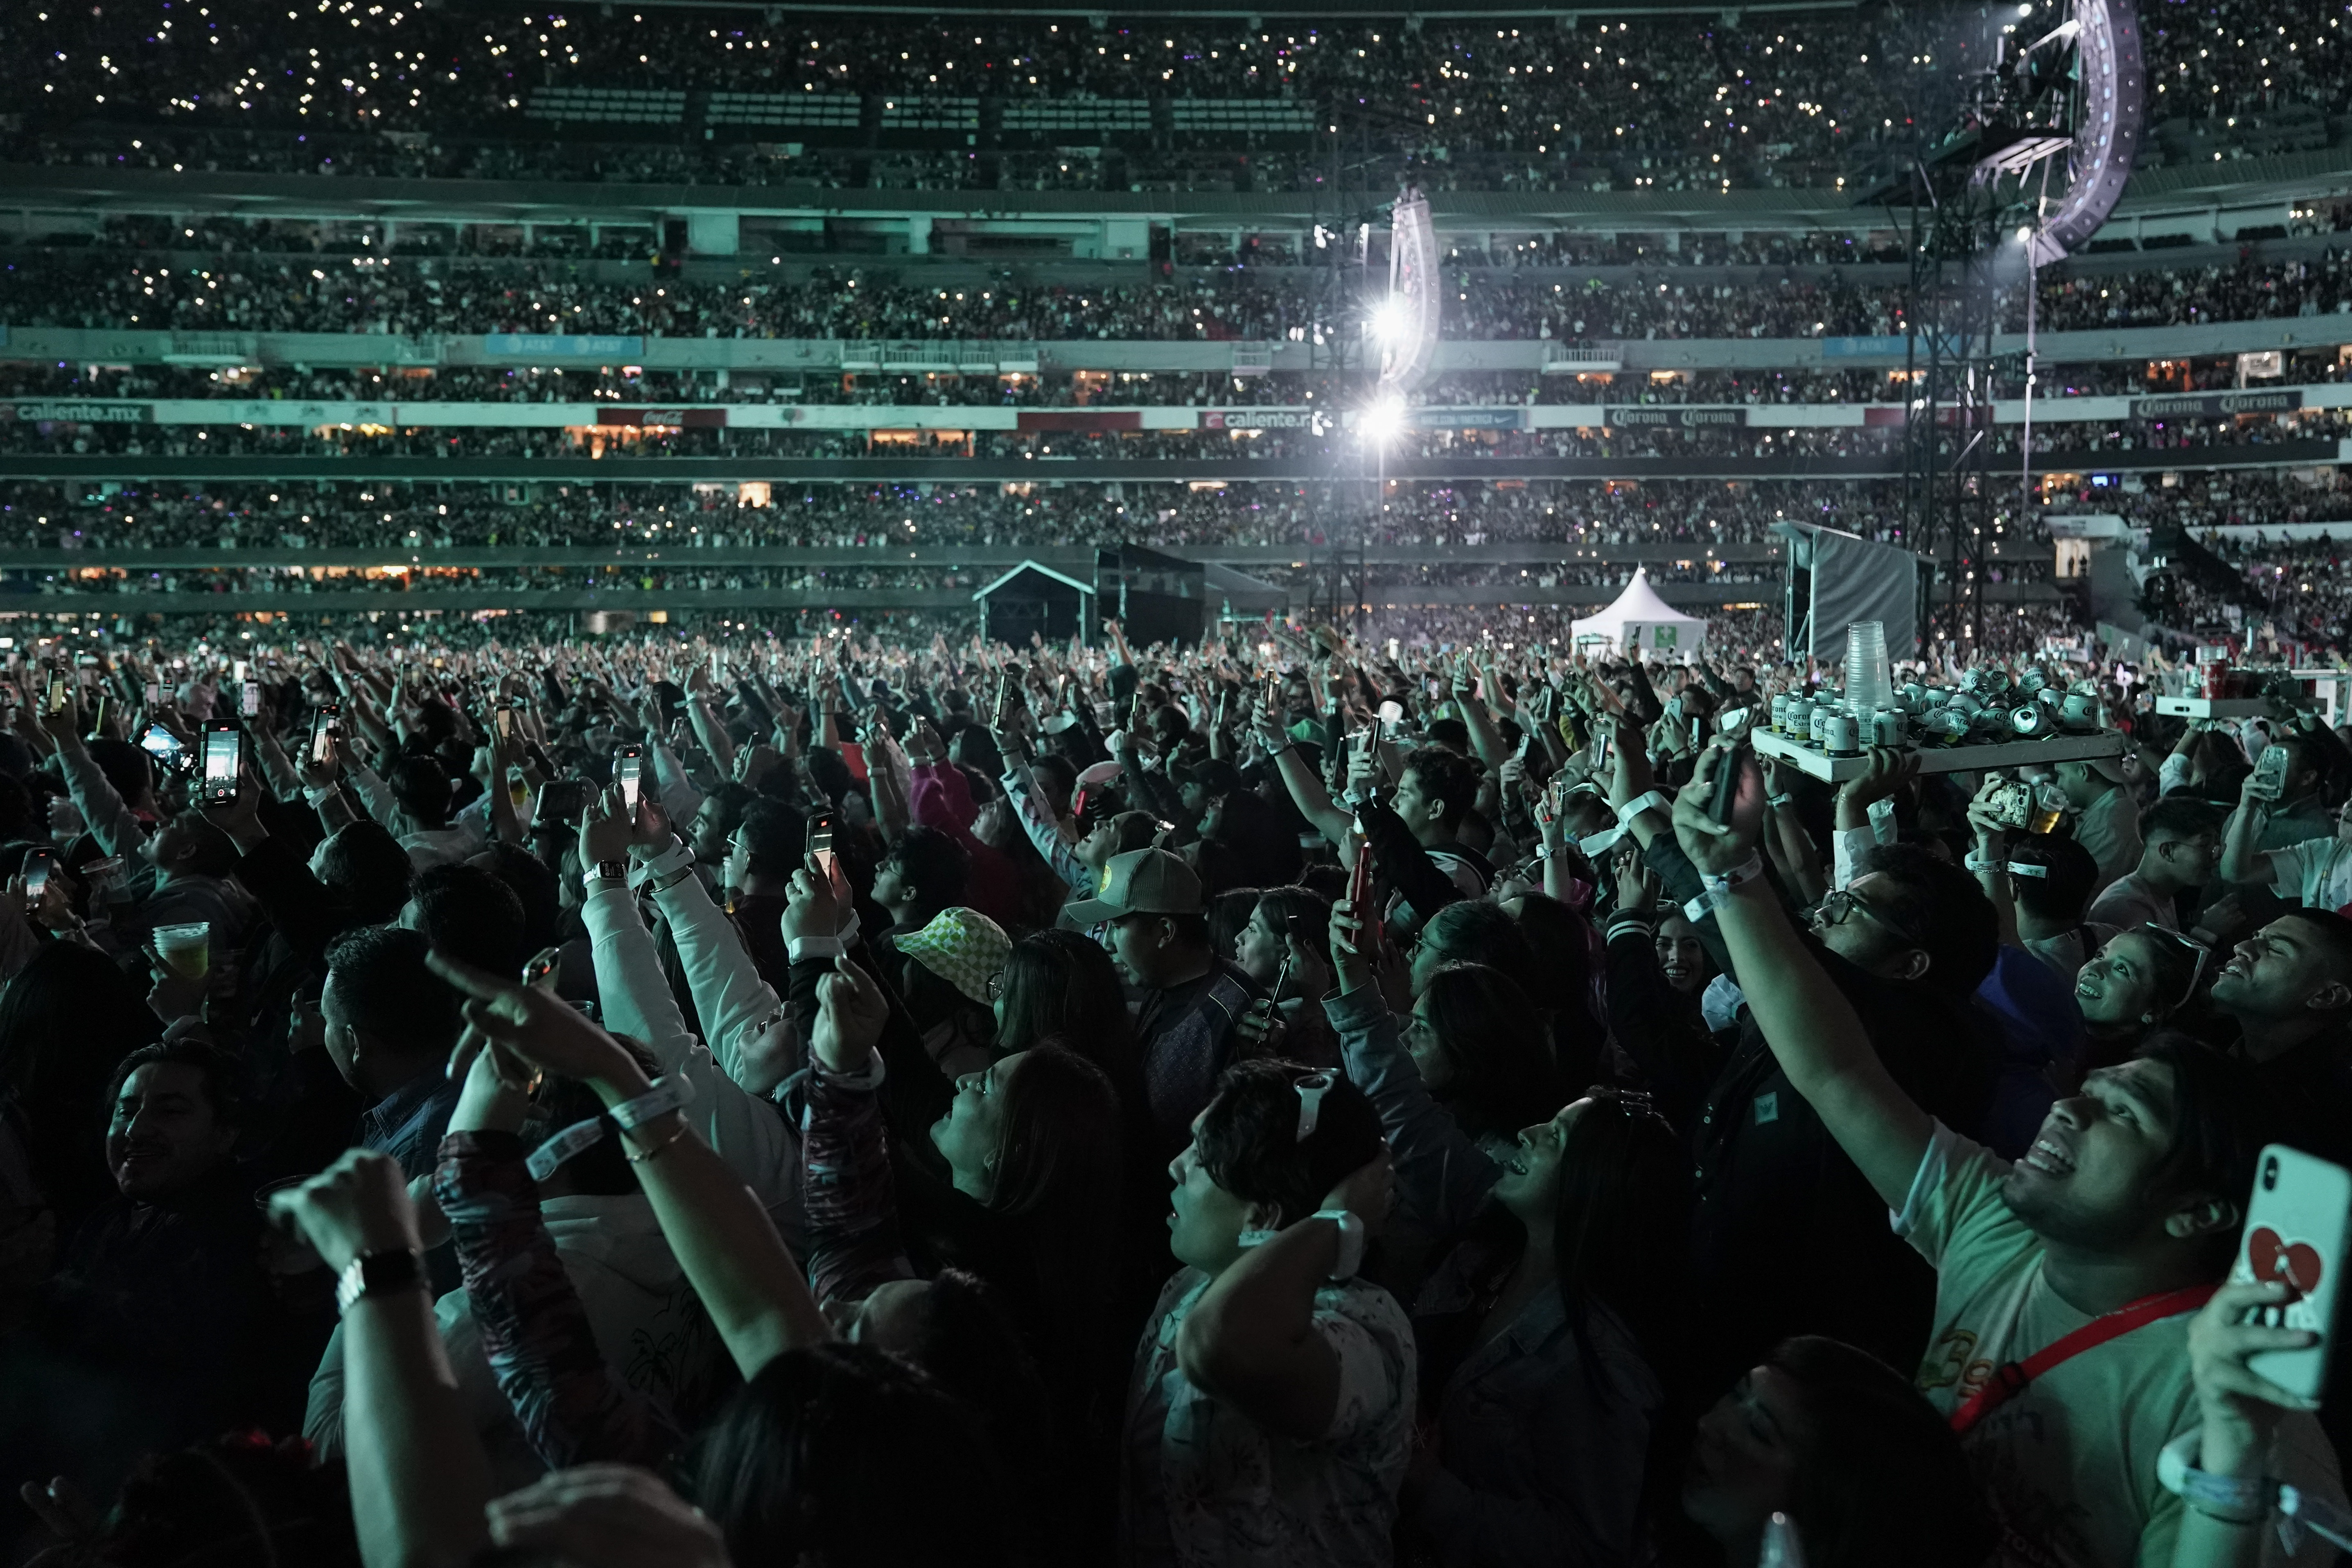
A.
x: 637, y: 384
x: 1677, y: 102
x: 1575, y: 514
x: 370, y: 292
x: 715, y: 1097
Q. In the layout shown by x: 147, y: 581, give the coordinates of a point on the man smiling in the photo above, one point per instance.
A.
x: 2086, y: 1257
x: 2288, y: 987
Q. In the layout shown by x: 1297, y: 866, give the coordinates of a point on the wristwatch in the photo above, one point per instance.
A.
x: 376, y: 1274
x: 612, y: 871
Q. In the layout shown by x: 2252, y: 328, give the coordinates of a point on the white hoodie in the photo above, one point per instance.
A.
x: 646, y: 1318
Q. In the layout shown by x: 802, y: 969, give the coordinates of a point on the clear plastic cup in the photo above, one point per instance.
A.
x: 188, y: 949
x: 1869, y: 681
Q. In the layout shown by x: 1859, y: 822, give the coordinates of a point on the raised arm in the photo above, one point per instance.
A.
x: 746, y: 1277
x: 419, y: 1478
x: 2243, y: 862
x: 1440, y: 1168
x: 1810, y: 1026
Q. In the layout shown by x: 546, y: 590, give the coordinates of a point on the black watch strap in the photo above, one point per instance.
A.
x: 378, y: 1273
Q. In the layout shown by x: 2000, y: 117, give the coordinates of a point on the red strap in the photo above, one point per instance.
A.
x: 2009, y: 1379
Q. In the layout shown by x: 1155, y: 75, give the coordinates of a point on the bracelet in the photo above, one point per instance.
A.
x: 1783, y: 798
x: 2229, y: 1499
x: 665, y: 881
x: 640, y: 1158
x: 1641, y: 803
x: 1975, y: 862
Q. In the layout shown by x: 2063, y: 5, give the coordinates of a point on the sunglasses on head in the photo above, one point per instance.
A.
x: 2202, y: 955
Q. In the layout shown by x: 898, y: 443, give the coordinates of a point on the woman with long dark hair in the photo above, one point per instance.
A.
x: 1033, y: 1150
x: 1549, y: 1347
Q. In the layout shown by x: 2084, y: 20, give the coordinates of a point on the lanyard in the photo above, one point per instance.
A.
x: 2010, y: 1378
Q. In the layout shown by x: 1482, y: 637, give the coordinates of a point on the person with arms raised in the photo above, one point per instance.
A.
x: 2064, y: 1283
x: 1192, y: 1000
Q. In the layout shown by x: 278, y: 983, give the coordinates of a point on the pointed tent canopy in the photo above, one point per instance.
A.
x: 1641, y: 620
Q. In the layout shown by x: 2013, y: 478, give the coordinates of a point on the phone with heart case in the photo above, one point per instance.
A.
x: 2296, y: 1231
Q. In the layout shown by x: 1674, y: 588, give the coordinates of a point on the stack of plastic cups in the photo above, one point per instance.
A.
x: 1869, y: 682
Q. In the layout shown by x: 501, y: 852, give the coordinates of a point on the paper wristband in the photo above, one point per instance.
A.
x: 1715, y: 890
x: 2176, y: 1475
x: 1641, y: 803
x: 1600, y: 843
x: 667, y: 1095
x: 572, y: 1140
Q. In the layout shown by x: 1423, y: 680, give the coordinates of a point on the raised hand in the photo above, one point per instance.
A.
x: 607, y: 1516
x: 357, y: 1205
x: 537, y: 1027
x: 1714, y: 847
x: 851, y: 1011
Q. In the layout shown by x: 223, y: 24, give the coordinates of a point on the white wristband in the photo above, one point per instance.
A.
x: 1715, y: 890
x: 667, y: 1094
x: 1351, y: 1242
x: 1641, y: 803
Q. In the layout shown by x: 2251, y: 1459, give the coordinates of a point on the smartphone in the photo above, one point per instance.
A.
x: 159, y: 742
x: 2270, y: 773
x: 1727, y: 782
x: 249, y: 700
x: 1360, y: 875
x: 2296, y: 1231
x: 98, y: 715
x: 223, y: 759
x: 155, y: 694
x: 505, y: 724
x: 240, y: 671
x: 326, y: 723
x: 819, y: 842
x: 37, y: 871
x: 55, y: 699
x: 541, y: 971
x: 628, y: 772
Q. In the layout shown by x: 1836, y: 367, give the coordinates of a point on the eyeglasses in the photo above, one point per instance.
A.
x: 1834, y: 909
x: 2202, y: 956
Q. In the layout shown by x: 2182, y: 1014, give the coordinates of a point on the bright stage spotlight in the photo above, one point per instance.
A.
x: 1382, y: 420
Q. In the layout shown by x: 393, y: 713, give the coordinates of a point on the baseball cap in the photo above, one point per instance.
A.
x: 2115, y: 770
x: 962, y: 947
x: 1139, y: 882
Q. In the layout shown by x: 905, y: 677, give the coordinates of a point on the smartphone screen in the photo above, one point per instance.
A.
x: 819, y: 842
x: 155, y: 694
x: 249, y: 700
x: 56, y: 698
x: 159, y: 742
x: 505, y: 724
x: 224, y: 745
x: 240, y: 671
x: 628, y: 770
x: 36, y: 872
x: 323, y: 727
x: 2296, y: 1232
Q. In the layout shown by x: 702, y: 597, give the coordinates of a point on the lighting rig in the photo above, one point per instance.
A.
x: 2045, y: 143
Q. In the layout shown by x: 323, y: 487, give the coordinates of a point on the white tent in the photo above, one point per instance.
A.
x: 1641, y: 620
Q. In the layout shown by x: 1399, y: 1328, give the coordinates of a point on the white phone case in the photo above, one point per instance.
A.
x: 2296, y: 1230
